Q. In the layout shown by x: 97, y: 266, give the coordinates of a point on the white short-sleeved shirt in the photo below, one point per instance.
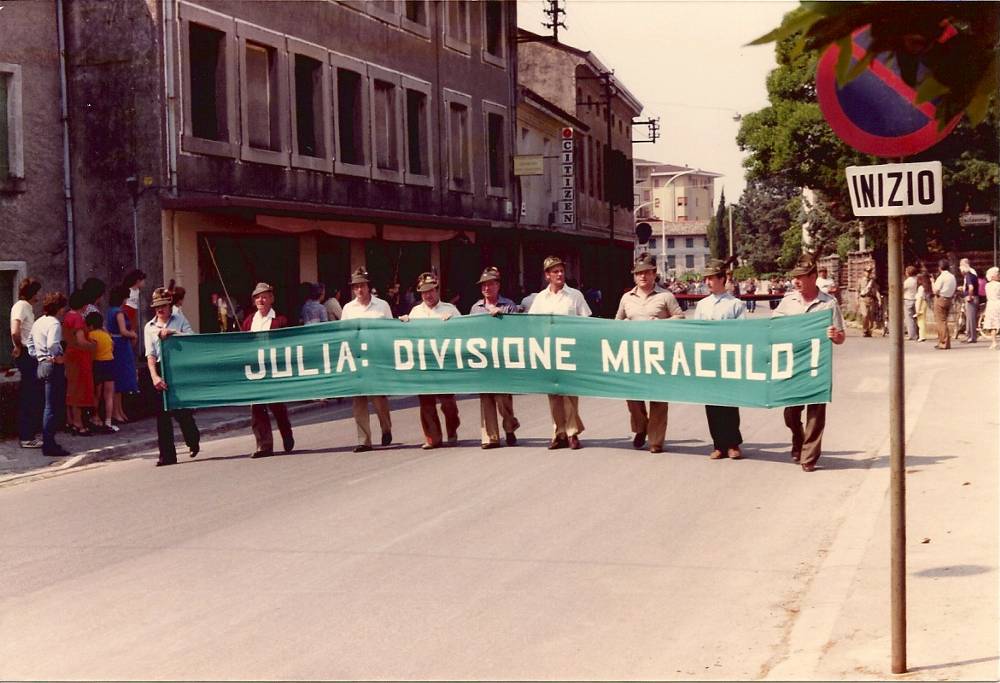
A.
x: 422, y: 311
x: 910, y: 288
x: 945, y: 285
x: 567, y: 301
x: 22, y: 310
x: 376, y: 309
x: 723, y: 306
x: 46, y: 338
x: 825, y: 284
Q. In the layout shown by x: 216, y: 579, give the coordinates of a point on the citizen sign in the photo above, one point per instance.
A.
x: 895, y: 189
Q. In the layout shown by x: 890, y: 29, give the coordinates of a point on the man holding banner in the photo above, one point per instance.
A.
x: 490, y: 404
x: 264, y: 319
x: 365, y: 305
x: 807, y: 298
x: 559, y: 299
x: 723, y: 421
x: 431, y: 307
x: 647, y: 301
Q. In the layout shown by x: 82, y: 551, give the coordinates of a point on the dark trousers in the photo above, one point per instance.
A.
x: 31, y: 398
x: 724, y: 426
x: 261, y: 424
x: 809, y: 441
x: 429, y: 420
x: 165, y: 431
x: 53, y: 381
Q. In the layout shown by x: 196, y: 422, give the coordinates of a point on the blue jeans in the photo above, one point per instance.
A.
x: 53, y: 377
x: 30, y: 398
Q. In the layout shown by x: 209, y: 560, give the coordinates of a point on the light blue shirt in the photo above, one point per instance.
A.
x: 152, y: 333
x: 723, y: 306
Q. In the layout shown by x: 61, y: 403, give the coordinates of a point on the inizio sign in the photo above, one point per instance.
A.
x: 895, y: 189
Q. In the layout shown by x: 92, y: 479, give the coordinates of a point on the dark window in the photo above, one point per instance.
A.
x: 416, y: 11
x: 689, y: 242
x: 308, y: 106
x: 459, y: 143
x: 689, y: 261
x: 5, y: 146
x: 386, y: 127
x: 263, y: 131
x: 458, y: 20
x: 497, y: 150
x: 207, y: 56
x: 670, y: 243
x: 416, y: 132
x: 671, y: 261
x: 494, y: 27
x: 350, y: 117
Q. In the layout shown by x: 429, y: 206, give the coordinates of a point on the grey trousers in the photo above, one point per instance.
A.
x: 910, y: 318
x: 971, y: 318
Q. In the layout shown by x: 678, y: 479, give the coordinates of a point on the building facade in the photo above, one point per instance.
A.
x: 677, y: 202
x: 601, y: 229
x: 290, y: 141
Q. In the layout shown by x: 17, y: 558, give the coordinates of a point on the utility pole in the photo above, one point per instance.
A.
x: 553, y: 11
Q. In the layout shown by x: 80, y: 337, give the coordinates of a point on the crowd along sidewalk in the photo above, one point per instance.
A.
x: 18, y: 463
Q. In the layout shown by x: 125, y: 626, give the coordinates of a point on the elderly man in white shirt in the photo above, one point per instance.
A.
x: 560, y: 299
x: 723, y: 421
x: 944, y: 287
x: 365, y: 305
x: 432, y: 308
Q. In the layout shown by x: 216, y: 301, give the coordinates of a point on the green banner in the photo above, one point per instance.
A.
x: 759, y: 363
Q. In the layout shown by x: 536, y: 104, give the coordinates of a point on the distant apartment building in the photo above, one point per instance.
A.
x: 677, y: 202
x: 600, y: 233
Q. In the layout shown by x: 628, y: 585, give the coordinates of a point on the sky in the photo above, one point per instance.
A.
x: 686, y: 62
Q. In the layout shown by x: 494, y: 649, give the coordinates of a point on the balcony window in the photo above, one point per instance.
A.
x: 459, y: 141
x: 264, y: 104
x: 457, y: 25
x: 418, y: 132
x: 496, y: 148
x: 494, y: 32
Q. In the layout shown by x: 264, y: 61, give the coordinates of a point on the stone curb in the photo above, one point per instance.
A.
x: 121, y: 450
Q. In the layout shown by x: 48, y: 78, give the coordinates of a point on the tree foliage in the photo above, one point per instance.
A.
x: 718, y: 236
x: 761, y: 218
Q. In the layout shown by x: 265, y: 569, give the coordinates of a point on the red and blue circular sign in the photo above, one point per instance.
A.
x: 876, y: 113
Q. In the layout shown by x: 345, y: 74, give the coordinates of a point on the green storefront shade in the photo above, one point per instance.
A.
x: 754, y: 363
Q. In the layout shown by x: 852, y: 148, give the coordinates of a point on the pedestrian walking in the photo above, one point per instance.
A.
x: 807, y: 298
x: 869, y: 301
x: 432, y: 308
x: 163, y: 325
x: 364, y: 305
x: 490, y: 405
x: 313, y: 312
x: 970, y: 292
x: 944, y: 288
x: 79, y: 364
x: 723, y: 421
x: 31, y: 397
x: 910, y: 285
x: 647, y: 301
x: 46, y: 340
x: 991, y: 316
x: 263, y: 320
x: 924, y: 303
x: 558, y: 298
x: 124, y: 340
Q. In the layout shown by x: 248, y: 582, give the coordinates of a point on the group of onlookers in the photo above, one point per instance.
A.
x: 75, y: 361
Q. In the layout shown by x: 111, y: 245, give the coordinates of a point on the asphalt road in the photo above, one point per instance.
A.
x: 458, y: 563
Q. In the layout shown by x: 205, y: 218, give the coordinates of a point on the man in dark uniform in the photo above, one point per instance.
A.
x: 647, y: 301
x: 264, y: 319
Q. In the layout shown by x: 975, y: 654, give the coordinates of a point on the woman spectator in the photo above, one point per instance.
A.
x: 134, y: 281
x: 22, y: 317
x: 332, y: 304
x: 312, y: 310
x: 178, y: 293
x: 124, y: 339
x: 991, y: 318
x: 93, y: 289
x: 46, y: 339
x: 79, y: 364
x: 923, y: 303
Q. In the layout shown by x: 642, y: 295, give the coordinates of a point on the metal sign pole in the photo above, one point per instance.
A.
x: 897, y: 448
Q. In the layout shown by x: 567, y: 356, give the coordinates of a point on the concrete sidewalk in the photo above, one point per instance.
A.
x: 135, y: 437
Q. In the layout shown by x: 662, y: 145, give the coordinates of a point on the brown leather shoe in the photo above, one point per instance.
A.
x: 716, y: 455
x: 656, y: 449
x: 574, y: 443
x: 559, y: 442
x: 796, y: 456
x: 429, y: 446
x: 735, y: 454
x: 489, y: 445
x: 808, y: 467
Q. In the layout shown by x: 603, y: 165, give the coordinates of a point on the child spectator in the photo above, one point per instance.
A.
x: 104, y: 371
